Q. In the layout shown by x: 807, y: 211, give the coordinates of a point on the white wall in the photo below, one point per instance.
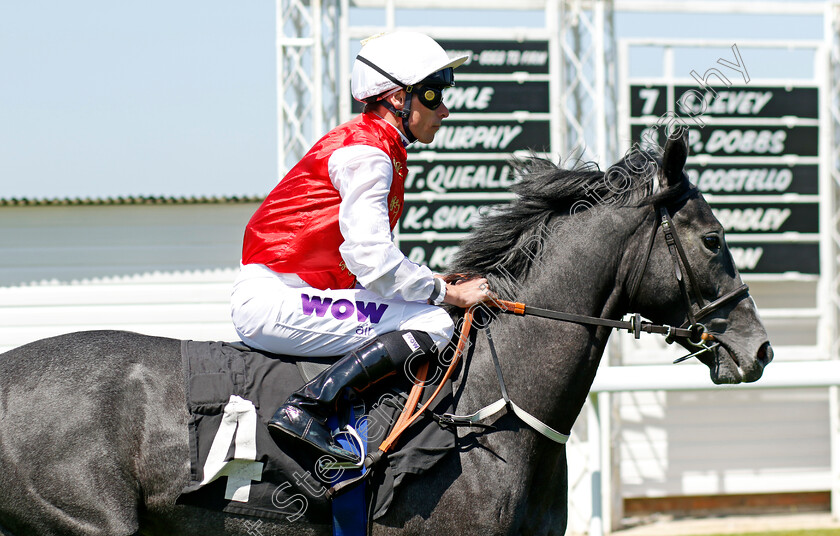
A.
x: 729, y: 442
x: 724, y: 442
x: 160, y: 269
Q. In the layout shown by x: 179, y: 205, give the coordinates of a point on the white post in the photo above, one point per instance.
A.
x: 344, y: 62
x: 390, y: 15
x: 834, y: 423
x: 555, y: 68
x: 317, y: 71
x: 593, y: 428
x: 827, y: 300
x: 600, y: 85
x: 605, y: 420
x: 281, y: 89
x: 827, y: 335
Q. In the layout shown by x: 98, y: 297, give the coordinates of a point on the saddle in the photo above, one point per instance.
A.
x: 235, y: 466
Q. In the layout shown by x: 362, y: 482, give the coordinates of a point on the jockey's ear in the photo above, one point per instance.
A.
x: 673, y: 160
x: 397, y: 99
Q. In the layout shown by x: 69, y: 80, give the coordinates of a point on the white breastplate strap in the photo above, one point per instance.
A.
x: 504, y: 402
x: 499, y: 405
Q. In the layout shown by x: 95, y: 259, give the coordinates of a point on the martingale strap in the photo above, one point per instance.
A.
x: 407, y: 418
x: 502, y: 403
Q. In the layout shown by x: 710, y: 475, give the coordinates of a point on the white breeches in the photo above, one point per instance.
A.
x: 280, y: 313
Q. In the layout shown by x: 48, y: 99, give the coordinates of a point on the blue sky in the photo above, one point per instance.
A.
x: 101, y: 98
x: 136, y: 98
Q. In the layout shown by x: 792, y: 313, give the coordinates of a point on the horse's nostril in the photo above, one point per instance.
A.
x: 765, y: 354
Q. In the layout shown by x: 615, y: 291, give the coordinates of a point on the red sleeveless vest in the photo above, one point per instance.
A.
x: 295, y: 230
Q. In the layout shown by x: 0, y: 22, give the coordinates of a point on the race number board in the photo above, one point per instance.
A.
x: 754, y: 155
x: 499, y: 107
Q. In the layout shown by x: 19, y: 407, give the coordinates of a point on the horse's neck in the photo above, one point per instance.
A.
x: 548, y: 368
x: 549, y: 365
x: 583, y: 265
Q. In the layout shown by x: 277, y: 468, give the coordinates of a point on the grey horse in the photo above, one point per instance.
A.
x: 93, y: 436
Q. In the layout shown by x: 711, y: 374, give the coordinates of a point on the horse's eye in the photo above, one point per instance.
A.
x: 712, y: 243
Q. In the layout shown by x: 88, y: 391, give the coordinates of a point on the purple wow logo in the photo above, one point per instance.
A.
x: 343, y: 309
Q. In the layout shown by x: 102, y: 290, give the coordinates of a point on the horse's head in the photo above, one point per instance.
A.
x: 684, y: 276
x: 640, y: 237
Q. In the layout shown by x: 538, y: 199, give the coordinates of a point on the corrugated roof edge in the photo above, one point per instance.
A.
x: 133, y: 200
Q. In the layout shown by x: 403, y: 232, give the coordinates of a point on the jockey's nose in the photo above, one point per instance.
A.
x: 443, y: 111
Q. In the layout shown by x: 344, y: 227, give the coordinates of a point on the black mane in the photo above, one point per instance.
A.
x: 504, y: 244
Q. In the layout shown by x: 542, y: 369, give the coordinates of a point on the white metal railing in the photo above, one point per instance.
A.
x: 801, y: 374
x: 696, y: 377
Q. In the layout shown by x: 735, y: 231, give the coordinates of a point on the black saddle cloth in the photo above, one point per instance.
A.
x: 288, y: 483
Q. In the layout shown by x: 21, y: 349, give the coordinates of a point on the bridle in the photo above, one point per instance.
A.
x: 698, y: 336
x: 692, y: 332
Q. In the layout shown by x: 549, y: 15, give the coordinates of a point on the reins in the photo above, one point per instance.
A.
x: 409, y: 416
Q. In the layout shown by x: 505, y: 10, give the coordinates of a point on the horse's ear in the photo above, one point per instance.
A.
x: 673, y: 160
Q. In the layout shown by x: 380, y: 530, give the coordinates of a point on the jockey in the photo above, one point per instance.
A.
x: 321, y: 275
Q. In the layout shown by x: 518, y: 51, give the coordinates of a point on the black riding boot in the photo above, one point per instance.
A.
x: 304, y: 415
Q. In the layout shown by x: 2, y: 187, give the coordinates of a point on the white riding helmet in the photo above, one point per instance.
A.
x: 397, y: 59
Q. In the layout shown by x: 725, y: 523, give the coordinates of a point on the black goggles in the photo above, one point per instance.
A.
x: 430, y: 96
x: 430, y: 89
x: 444, y: 77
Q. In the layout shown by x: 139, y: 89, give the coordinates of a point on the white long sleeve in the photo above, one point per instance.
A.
x: 362, y: 175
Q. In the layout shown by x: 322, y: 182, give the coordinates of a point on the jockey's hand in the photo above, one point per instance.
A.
x: 467, y: 292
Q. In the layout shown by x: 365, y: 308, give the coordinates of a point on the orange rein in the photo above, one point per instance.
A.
x: 407, y: 418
